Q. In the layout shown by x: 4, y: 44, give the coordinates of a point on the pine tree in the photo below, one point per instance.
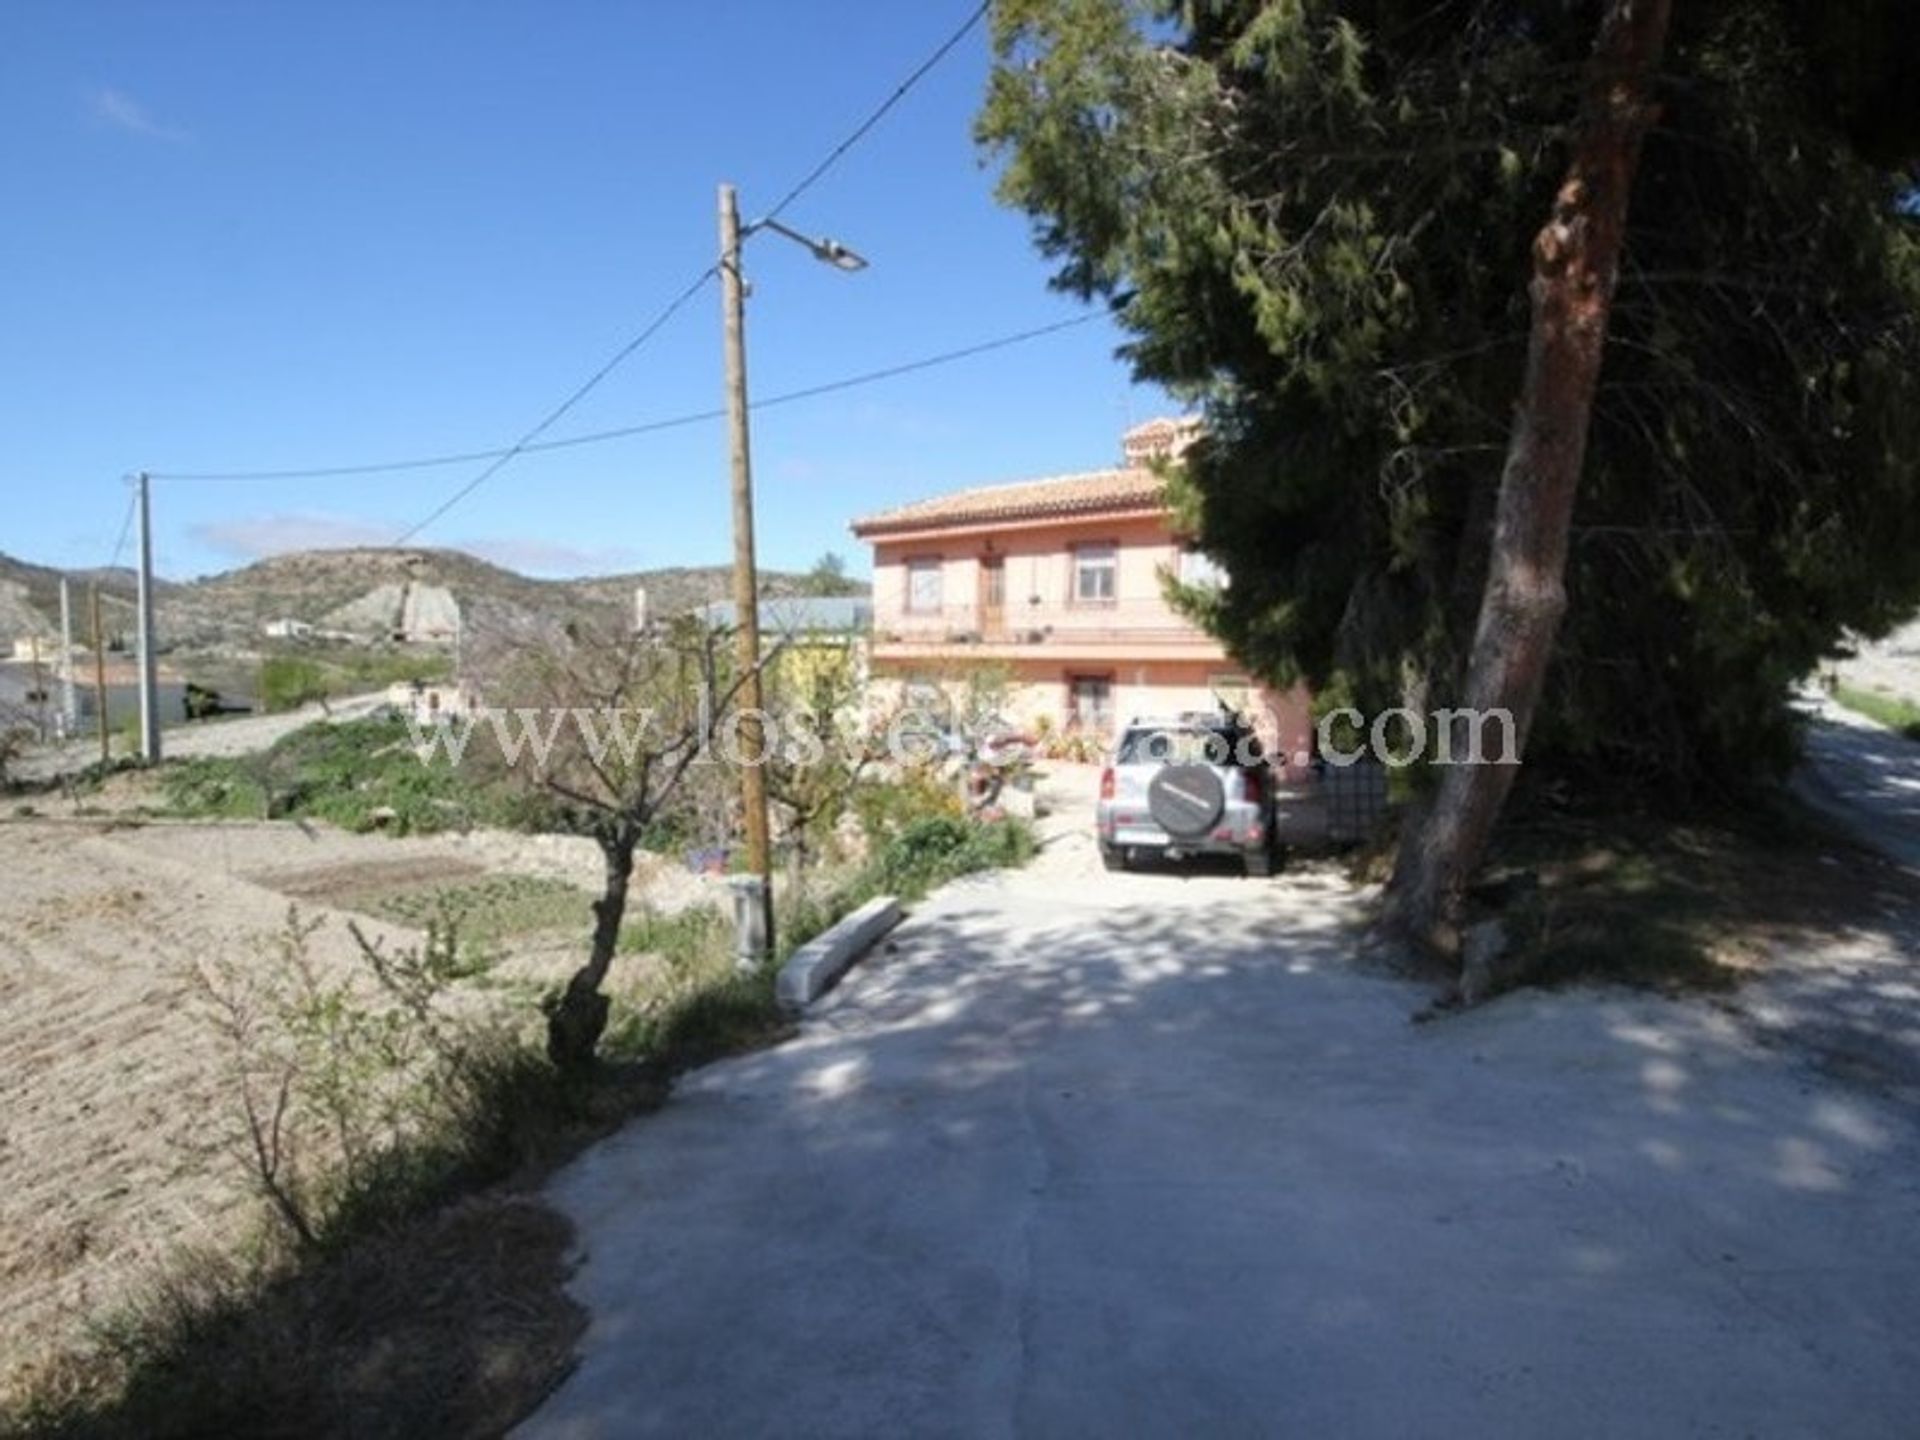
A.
x: 1314, y: 218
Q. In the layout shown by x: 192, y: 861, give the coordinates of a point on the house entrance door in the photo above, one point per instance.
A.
x: 993, y: 595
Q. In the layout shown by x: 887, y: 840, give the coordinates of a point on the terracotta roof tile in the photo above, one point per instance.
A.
x: 1090, y: 493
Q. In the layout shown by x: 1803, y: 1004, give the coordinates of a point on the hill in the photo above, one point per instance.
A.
x: 364, y: 592
x: 30, y: 600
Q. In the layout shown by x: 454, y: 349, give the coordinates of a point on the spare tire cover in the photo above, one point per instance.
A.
x: 1186, y: 800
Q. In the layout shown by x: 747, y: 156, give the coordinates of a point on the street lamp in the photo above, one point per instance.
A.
x: 830, y: 252
x: 755, y: 942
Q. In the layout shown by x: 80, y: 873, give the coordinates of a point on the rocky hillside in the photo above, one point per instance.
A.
x: 351, y: 590
x: 30, y: 600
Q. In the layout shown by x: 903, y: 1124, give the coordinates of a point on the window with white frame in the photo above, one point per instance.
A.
x: 1096, y: 574
x: 1201, y: 571
x: 923, y: 586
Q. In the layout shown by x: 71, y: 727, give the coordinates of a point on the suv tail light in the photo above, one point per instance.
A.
x: 1253, y: 785
x: 1106, y: 783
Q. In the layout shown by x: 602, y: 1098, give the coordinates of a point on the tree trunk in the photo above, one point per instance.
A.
x: 1576, y: 260
x: 577, y: 1019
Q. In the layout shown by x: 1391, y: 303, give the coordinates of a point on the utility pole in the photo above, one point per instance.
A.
x: 99, y: 678
x: 746, y: 587
x: 69, y: 706
x: 149, y: 681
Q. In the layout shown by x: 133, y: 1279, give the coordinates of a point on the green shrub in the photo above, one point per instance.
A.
x: 931, y: 852
x: 888, y: 807
x: 212, y: 789
x: 357, y: 774
x: 289, y: 681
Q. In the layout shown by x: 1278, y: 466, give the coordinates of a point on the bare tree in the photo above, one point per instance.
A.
x: 1576, y: 260
x: 614, y: 723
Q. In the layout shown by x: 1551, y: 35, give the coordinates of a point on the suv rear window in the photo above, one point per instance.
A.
x: 1174, y: 747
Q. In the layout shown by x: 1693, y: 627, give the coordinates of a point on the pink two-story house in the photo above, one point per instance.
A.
x: 1056, y: 585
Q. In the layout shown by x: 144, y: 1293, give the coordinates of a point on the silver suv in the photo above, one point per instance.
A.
x: 1195, y: 784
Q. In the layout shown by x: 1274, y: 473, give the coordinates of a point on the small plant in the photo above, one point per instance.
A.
x: 487, y: 912
x: 352, y: 1097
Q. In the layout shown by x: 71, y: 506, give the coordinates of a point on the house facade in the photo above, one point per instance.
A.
x: 810, y: 640
x: 1051, y: 592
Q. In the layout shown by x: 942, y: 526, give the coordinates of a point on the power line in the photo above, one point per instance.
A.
x: 947, y: 358
x: 580, y: 393
x: 528, y: 442
x: 126, y: 524
x: 645, y: 427
x: 812, y: 177
x: 808, y: 181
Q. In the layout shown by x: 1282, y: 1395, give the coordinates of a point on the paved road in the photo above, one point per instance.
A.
x: 1099, y: 1155
x: 239, y: 736
x: 1865, y: 776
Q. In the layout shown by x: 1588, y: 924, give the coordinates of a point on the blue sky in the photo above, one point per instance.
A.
x: 247, y: 236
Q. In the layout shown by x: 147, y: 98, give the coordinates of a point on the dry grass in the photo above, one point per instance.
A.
x: 115, y: 1118
x: 148, y: 1292
x: 1693, y: 904
x: 1897, y: 714
x: 420, y: 1320
x: 450, y: 1326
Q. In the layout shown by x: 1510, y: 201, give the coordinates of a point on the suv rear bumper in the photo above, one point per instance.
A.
x: 1241, y: 827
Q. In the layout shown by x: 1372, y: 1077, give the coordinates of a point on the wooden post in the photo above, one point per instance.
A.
x: 69, y: 711
x: 99, y: 676
x: 746, y: 597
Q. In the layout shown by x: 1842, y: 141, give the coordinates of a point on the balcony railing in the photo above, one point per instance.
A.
x: 1118, y: 622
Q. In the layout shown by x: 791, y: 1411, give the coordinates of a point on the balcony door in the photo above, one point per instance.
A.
x: 993, y: 594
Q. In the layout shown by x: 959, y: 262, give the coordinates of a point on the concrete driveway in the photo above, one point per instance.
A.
x: 1102, y: 1155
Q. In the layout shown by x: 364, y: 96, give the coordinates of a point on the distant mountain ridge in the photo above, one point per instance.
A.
x: 232, y: 609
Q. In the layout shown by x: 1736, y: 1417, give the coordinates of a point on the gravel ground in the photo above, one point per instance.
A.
x: 239, y: 736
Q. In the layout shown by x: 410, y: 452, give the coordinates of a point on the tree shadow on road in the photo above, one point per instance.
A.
x: 1068, y: 1158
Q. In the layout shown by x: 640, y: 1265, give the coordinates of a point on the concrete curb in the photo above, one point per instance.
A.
x: 812, y: 969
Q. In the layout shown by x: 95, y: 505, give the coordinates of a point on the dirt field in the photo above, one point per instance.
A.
x: 114, y: 1125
